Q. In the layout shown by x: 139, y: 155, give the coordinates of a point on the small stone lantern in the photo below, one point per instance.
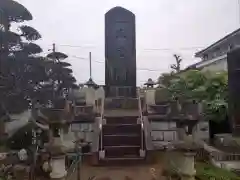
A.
x: 58, y: 121
x: 181, y: 159
x: 91, y: 83
x: 150, y: 83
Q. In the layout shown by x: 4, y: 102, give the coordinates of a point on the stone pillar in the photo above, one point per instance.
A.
x: 90, y: 96
x: 150, y: 97
x: 58, y: 167
x: 180, y: 161
x: 99, y: 97
x: 181, y: 133
x: 188, y: 169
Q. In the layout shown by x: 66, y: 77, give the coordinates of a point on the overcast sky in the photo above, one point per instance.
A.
x: 173, y: 26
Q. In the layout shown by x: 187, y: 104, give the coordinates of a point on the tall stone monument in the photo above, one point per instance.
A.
x: 233, y: 60
x: 120, y: 53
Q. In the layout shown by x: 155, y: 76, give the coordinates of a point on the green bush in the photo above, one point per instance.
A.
x: 208, y: 88
x: 207, y: 172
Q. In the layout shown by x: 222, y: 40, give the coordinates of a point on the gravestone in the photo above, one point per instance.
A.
x: 120, y: 53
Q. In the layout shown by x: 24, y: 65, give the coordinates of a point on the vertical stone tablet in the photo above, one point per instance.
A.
x: 120, y: 53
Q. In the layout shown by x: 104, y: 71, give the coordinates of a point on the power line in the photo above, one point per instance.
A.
x: 76, y: 46
x: 139, y: 69
x: 145, y: 49
x: 169, y: 49
x: 84, y: 58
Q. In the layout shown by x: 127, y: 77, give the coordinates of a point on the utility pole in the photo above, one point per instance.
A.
x: 55, y: 60
x: 90, y: 64
x: 54, y: 47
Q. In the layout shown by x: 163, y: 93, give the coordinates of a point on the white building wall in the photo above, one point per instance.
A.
x: 215, y: 64
x: 220, y: 65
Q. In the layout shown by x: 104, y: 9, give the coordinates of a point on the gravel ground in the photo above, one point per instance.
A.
x: 138, y: 172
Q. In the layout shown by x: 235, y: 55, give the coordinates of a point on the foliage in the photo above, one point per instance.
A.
x: 14, y: 11
x: 25, y: 76
x: 60, y: 75
x: 206, y: 171
x: 165, y: 79
x: 208, y: 88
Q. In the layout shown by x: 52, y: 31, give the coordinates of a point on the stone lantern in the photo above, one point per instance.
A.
x: 91, y: 83
x: 181, y: 159
x: 58, y: 119
x: 150, y: 83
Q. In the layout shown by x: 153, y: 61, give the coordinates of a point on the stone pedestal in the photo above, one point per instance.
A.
x: 181, y: 164
x: 180, y: 159
x: 90, y: 96
x: 150, y: 97
x: 188, y: 170
x: 58, y: 146
x: 58, y: 167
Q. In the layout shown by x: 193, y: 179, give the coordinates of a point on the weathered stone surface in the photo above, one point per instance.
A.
x: 120, y: 53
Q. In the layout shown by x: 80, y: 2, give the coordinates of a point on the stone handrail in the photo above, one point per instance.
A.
x: 141, y: 121
x: 101, y: 123
x: 147, y: 134
x: 218, y: 155
x: 222, y: 156
x: 97, y: 131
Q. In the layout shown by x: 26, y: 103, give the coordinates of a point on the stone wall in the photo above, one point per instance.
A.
x: 163, y: 132
x: 83, y: 131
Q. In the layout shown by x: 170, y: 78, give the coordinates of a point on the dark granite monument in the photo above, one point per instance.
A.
x: 233, y: 60
x: 120, y: 53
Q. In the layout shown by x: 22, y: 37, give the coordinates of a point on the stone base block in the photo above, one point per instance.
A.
x: 142, y: 153
x: 102, y: 154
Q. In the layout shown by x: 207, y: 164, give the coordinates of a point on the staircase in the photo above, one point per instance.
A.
x: 122, y: 138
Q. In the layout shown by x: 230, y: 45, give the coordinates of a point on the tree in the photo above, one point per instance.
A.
x: 208, y: 88
x: 60, y: 77
x: 164, y: 79
x: 25, y: 75
x: 176, y: 67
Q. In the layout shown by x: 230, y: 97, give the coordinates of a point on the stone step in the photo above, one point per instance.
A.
x: 121, y: 120
x: 122, y: 161
x: 122, y: 140
x: 109, y: 129
x: 121, y: 151
x: 121, y: 113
